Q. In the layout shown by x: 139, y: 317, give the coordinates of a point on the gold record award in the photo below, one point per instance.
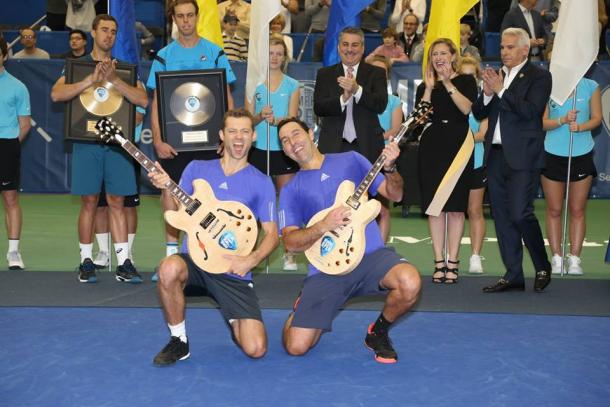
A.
x: 192, y: 104
x: 101, y: 99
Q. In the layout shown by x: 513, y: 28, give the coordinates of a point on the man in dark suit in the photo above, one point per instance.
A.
x: 348, y: 97
x: 525, y: 16
x: 410, y: 37
x: 514, y: 100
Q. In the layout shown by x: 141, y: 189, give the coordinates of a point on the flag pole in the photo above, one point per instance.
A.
x: 268, y: 125
x: 567, y: 195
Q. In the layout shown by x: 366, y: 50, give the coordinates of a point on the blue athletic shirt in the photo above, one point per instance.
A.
x: 14, y: 102
x: 248, y: 186
x: 385, y: 118
x: 557, y: 141
x: 280, y: 101
x: 479, y: 147
x: 311, y: 191
x: 204, y: 55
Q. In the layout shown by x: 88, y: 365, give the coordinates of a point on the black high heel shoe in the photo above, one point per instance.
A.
x: 449, y: 279
x: 438, y: 277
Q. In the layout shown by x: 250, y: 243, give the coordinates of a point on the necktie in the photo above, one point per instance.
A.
x: 530, y: 24
x: 349, y: 130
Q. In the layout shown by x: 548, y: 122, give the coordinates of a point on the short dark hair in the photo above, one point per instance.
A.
x: 79, y: 32
x: 352, y: 30
x: 296, y: 120
x: 103, y: 17
x: 171, y: 8
x: 26, y: 27
x: 237, y: 113
x: 3, y: 47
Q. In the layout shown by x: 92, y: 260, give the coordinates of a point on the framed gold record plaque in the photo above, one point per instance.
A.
x: 191, y: 107
x: 97, y: 101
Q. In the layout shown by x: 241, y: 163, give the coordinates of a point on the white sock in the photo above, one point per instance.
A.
x: 13, y: 245
x: 121, y: 251
x: 178, y: 331
x: 130, y: 238
x: 86, y: 251
x: 102, y: 241
x: 171, y: 248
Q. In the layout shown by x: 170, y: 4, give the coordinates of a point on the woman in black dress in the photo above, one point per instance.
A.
x: 445, y: 154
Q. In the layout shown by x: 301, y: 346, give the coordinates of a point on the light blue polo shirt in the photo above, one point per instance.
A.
x: 14, y: 102
x: 280, y: 101
x: 204, y: 55
x: 557, y: 141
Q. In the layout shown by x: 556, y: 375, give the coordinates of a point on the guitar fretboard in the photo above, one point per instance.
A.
x: 378, y: 164
x: 149, y: 166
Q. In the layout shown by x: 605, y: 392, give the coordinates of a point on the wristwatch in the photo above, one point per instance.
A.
x: 391, y: 170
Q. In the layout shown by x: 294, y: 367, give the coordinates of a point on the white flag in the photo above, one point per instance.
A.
x: 576, y: 45
x: 261, y: 13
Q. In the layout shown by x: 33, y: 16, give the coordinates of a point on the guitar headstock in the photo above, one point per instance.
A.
x: 109, y: 131
x: 418, y: 117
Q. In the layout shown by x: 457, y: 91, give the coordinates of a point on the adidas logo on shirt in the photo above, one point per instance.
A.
x: 224, y: 186
x: 324, y: 177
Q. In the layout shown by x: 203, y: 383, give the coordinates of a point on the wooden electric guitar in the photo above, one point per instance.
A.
x: 214, y: 228
x: 339, y: 251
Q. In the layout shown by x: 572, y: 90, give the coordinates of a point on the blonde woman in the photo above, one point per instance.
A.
x: 284, y: 94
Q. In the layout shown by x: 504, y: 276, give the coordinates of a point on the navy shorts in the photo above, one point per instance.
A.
x: 236, y: 298
x: 323, y: 295
x: 279, y: 163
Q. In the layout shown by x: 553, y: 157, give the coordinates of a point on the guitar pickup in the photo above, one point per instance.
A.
x: 193, y: 207
x: 207, y: 220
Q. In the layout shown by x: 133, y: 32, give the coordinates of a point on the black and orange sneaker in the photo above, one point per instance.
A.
x: 381, y: 345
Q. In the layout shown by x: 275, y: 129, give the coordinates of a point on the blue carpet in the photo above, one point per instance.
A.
x: 102, y: 357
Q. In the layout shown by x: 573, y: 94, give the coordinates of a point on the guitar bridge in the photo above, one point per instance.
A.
x: 352, y: 203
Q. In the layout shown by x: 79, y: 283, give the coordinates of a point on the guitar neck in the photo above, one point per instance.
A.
x: 378, y: 164
x: 149, y: 166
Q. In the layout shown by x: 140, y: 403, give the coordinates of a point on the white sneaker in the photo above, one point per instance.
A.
x: 475, y: 264
x: 101, y: 260
x: 574, y: 268
x: 290, y: 263
x: 556, y: 264
x: 14, y: 261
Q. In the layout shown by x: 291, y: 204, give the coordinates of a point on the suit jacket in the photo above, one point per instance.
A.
x: 520, y: 111
x: 365, y: 113
x: 515, y: 18
x: 409, y: 47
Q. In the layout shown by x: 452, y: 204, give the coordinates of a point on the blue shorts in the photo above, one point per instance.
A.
x: 94, y: 164
x: 323, y: 295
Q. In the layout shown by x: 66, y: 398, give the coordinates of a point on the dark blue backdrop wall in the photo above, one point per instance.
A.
x: 46, y: 158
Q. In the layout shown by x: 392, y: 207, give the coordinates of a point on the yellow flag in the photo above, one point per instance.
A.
x: 208, y: 25
x: 444, y: 22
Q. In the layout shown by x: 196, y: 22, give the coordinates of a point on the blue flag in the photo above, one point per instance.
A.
x: 126, y: 45
x: 343, y: 13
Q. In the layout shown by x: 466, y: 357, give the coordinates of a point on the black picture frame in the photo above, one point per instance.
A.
x: 79, y: 123
x: 180, y: 127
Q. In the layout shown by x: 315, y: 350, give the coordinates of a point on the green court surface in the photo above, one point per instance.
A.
x: 49, y: 238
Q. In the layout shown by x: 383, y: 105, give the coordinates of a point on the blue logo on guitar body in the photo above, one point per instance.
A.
x: 228, y: 241
x: 327, y: 245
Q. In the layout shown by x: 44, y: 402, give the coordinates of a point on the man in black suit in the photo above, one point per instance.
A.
x: 525, y: 16
x: 410, y: 37
x: 348, y: 97
x: 514, y: 100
